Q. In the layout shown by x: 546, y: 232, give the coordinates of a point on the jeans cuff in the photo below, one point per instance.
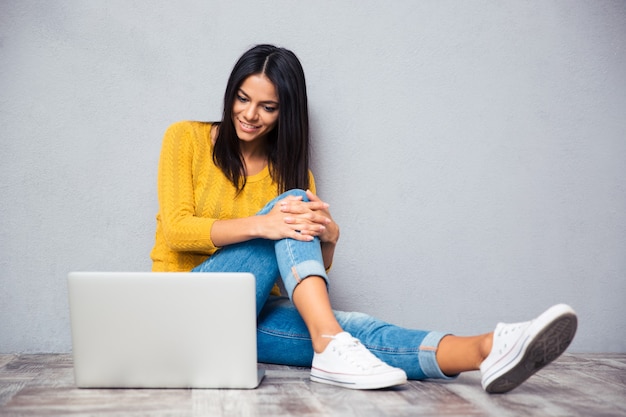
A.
x: 301, y: 271
x: 427, y: 356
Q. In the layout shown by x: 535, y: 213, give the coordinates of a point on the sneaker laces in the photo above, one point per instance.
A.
x: 352, y: 350
x: 509, y: 333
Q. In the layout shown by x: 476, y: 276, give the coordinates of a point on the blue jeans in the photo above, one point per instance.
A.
x: 282, y: 336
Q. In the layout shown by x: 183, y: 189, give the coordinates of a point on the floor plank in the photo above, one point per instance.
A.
x: 575, y: 385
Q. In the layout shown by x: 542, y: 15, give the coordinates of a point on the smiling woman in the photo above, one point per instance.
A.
x: 238, y: 196
x: 255, y: 113
x: 287, y: 145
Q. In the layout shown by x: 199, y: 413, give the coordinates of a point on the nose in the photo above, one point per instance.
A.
x: 250, y: 112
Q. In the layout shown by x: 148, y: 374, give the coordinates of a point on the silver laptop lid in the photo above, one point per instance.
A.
x: 163, y: 330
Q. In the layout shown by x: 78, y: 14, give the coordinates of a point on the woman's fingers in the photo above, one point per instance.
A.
x: 306, y: 219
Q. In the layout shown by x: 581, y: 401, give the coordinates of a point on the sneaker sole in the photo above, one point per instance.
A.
x: 355, y: 382
x: 545, y: 342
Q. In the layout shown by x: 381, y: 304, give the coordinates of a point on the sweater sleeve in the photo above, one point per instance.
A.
x: 182, y: 229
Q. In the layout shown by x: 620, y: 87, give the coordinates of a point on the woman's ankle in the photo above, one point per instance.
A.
x: 321, y: 341
x: 312, y: 302
x: 457, y: 354
x: 486, y: 346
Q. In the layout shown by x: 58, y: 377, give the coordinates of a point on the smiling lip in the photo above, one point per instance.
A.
x: 246, y: 127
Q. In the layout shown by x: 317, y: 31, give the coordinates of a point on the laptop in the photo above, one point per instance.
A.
x: 164, y: 330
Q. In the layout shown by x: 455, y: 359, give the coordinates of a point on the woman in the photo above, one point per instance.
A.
x: 231, y: 198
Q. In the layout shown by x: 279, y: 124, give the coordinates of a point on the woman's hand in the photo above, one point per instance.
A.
x: 301, y: 220
x: 289, y: 218
x: 330, y: 233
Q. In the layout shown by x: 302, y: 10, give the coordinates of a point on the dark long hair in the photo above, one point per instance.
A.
x: 288, y: 143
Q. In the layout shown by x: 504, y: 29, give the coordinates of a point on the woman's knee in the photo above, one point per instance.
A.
x: 295, y: 192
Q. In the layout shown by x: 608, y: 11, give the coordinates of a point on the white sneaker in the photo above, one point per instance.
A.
x: 521, y: 349
x: 347, y: 363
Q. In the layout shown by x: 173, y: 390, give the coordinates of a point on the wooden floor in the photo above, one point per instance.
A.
x: 575, y: 385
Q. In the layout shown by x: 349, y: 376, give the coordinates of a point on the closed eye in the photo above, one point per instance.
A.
x: 268, y: 106
x: 270, y: 109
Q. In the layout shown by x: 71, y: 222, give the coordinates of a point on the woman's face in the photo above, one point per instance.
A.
x: 255, y: 109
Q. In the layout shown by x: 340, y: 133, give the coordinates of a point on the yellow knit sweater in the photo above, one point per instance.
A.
x: 194, y: 193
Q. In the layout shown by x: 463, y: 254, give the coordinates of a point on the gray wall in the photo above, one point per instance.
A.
x: 473, y: 152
